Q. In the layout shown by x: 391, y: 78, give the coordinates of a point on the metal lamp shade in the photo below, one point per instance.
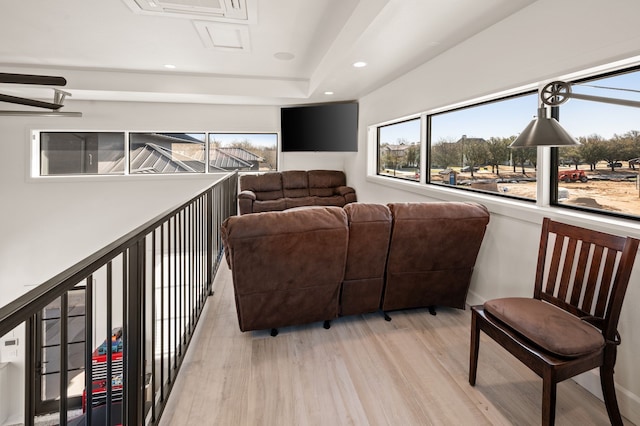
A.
x: 544, y: 132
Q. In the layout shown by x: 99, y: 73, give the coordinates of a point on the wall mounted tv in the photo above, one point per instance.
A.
x: 321, y: 127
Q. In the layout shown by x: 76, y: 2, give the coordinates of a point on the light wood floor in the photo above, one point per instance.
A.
x: 362, y: 371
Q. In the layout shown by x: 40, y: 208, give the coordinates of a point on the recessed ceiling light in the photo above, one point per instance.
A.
x: 170, y: 66
x: 359, y: 64
x: 328, y: 93
x: 284, y: 56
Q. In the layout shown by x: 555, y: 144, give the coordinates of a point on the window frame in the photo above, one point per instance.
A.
x: 421, y: 163
x: 33, y: 171
x: 428, y: 144
x: 128, y: 145
x: 41, y: 153
x: 555, y: 153
x: 547, y: 163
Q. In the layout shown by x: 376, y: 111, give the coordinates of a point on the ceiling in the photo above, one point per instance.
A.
x: 272, y: 52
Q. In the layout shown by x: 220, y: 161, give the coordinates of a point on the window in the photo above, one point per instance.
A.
x: 469, y: 147
x: 78, y: 153
x: 131, y: 153
x: 399, y: 150
x: 601, y: 174
x: 167, y: 153
x: 243, y: 151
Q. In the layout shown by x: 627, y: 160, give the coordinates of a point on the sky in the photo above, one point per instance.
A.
x: 584, y: 118
x: 257, y: 139
x: 510, y: 117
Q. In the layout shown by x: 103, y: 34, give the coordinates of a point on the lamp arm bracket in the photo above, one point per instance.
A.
x: 558, y: 92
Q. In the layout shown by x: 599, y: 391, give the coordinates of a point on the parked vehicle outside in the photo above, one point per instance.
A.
x: 572, y: 176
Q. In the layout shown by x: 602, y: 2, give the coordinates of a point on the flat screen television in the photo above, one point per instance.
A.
x: 322, y: 127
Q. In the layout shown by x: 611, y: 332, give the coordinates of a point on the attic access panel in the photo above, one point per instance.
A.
x: 214, y: 9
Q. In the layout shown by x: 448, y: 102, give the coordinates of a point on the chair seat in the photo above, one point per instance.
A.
x: 546, y: 325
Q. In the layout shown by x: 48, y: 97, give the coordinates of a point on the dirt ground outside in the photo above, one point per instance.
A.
x: 615, y: 191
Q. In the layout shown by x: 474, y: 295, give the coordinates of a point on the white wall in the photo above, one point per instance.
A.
x: 47, y: 225
x: 523, y: 49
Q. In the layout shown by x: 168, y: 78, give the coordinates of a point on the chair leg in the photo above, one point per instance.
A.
x: 609, y: 393
x: 475, y: 347
x: 548, y: 399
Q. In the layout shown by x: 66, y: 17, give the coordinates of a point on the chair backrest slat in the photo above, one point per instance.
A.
x: 567, y: 269
x: 587, y: 273
x: 578, y: 282
x: 592, y: 283
x: 606, y: 283
x: 554, y: 268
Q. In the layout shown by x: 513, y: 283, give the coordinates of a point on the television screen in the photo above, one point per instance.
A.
x: 324, y: 127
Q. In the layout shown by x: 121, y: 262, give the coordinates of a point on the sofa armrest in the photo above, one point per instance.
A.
x: 344, y: 190
x: 245, y: 201
x: 246, y: 194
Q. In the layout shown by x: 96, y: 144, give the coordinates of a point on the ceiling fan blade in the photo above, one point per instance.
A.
x: 28, y: 102
x: 32, y: 79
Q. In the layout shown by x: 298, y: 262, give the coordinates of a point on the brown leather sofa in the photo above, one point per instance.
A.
x: 275, y: 191
x: 432, y: 253
x: 313, y: 264
x: 287, y: 266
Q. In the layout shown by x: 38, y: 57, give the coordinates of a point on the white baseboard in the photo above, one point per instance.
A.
x: 628, y: 402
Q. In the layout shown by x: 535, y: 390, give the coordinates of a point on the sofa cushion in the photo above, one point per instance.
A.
x: 441, y: 228
x: 294, y: 202
x: 269, y: 205
x: 266, y: 186
x: 547, y: 326
x: 295, y: 183
x: 329, y: 200
x: 323, y: 183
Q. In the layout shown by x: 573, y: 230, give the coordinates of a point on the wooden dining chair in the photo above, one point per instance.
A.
x: 570, y: 324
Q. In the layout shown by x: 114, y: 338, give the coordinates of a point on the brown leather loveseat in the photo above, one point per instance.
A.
x: 311, y: 264
x: 275, y: 191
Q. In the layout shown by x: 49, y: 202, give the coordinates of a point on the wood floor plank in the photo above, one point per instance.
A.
x: 364, y: 370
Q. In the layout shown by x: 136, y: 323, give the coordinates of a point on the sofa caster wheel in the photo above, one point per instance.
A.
x: 386, y: 317
x: 327, y: 324
x: 432, y: 310
x: 274, y: 332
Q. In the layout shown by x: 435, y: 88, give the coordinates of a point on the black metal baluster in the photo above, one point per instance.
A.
x: 133, y: 348
x: 126, y: 337
x: 109, y: 330
x: 64, y: 362
x: 152, y: 381
x: 162, y: 308
x: 30, y: 377
x: 175, y: 291
x: 88, y: 339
